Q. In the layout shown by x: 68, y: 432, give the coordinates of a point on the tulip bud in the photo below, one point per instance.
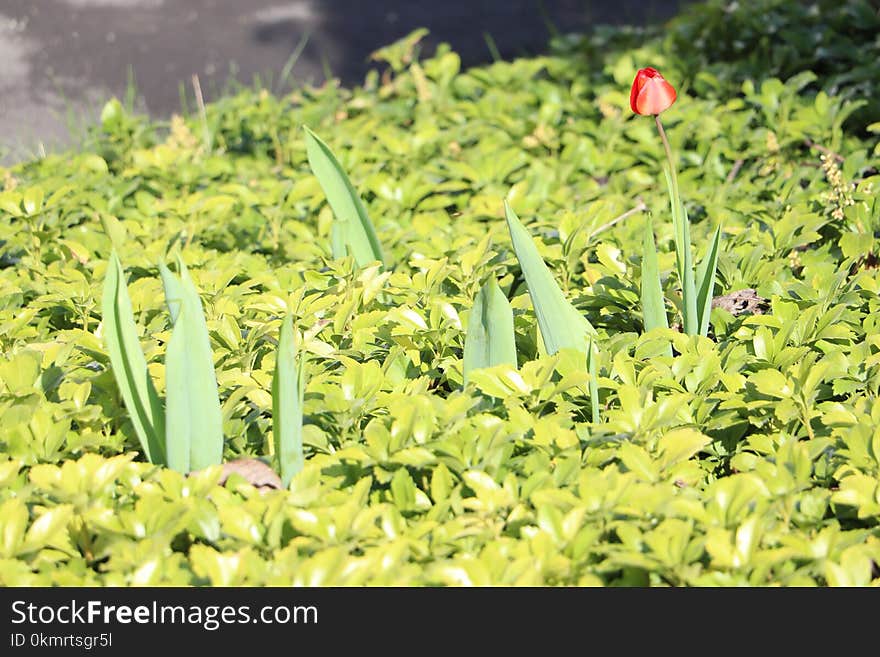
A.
x: 650, y: 93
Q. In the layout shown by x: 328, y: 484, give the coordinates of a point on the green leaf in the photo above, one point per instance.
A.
x: 113, y: 229
x: 490, y: 338
x: 32, y: 199
x: 442, y: 483
x: 288, y: 389
x: 680, y: 444
x: 193, y: 421
x: 13, y: 522
x: 21, y: 372
x: 772, y: 383
x: 637, y: 460
x: 50, y: 526
x: 706, y: 282
x: 403, y: 490
x: 653, y: 305
x: 562, y: 326
x: 129, y: 365
x: 358, y: 232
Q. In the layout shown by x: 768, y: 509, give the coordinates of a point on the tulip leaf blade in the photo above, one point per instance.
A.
x: 653, y: 304
x: 683, y: 257
x: 357, y: 231
x: 560, y: 323
x: 129, y: 366
x: 490, y: 338
x: 593, y: 371
x: 706, y: 282
x: 288, y: 390
x: 194, y: 422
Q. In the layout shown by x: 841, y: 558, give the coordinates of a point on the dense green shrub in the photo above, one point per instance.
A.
x: 752, y: 457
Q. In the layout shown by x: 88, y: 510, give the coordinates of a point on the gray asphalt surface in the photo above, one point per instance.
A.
x: 60, y: 60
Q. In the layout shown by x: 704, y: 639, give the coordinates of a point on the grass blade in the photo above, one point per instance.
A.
x: 561, y: 325
x: 129, y: 365
x: 653, y: 305
x: 706, y: 282
x: 288, y: 389
x: 490, y: 338
x: 359, y: 234
x: 683, y: 258
x: 593, y: 371
x: 193, y: 420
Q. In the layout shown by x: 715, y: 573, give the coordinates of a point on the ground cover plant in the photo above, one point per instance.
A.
x: 408, y: 371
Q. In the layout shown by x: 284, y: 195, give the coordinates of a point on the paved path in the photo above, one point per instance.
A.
x: 61, y: 59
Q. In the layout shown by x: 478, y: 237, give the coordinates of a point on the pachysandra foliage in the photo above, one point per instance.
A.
x: 751, y: 456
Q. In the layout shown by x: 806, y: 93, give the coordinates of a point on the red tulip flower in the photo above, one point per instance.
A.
x: 650, y: 93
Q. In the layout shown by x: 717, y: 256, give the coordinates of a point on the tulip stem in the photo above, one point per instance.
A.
x: 669, y: 159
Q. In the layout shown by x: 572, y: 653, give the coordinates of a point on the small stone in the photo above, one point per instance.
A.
x: 255, y: 472
x: 741, y: 302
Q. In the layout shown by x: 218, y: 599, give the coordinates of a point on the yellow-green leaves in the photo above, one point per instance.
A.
x: 288, y: 388
x: 561, y: 325
x: 490, y: 339
x: 193, y: 421
x: 46, y: 530
x: 352, y: 229
x: 129, y: 366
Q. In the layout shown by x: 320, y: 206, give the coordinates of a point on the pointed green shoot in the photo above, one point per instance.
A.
x: 356, y: 231
x: 288, y: 389
x: 490, y: 338
x: 593, y: 371
x: 653, y: 305
x: 129, y: 365
x: 193, y: 420
x: 561, y: 325
x: 706, y: 282
x: 683, y: 258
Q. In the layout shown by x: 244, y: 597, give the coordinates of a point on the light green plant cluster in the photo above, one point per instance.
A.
x: 584, y: 451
